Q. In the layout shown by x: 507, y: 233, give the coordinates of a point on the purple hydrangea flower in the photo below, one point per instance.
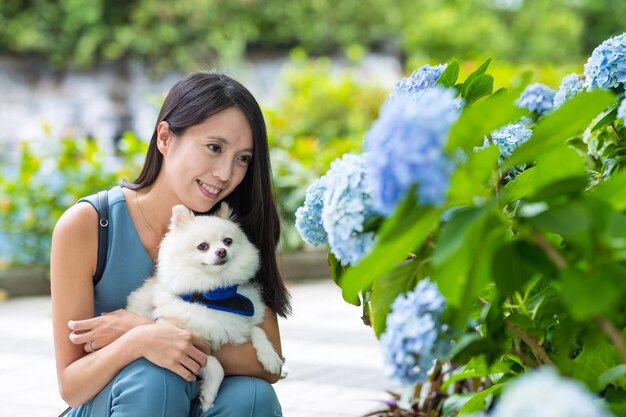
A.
x: 606, y: 67
x: 406, y: 146
x: 414, y: 337
x: 309, y: 216
x: 422, y: 78
x: 571, y: 85
x: 347, y: 204
x: 543, y: 393
x: 621, y: 111
x: 537, y: 98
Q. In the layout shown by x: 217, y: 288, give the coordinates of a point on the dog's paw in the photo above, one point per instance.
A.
x: 271, y: 362
x: 206, y: 403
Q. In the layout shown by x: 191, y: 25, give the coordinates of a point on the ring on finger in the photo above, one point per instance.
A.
x: 90, y: 347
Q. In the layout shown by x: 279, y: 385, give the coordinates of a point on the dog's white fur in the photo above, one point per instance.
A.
x: 183, y: 268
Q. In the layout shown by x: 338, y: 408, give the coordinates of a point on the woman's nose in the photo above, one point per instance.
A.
x: 223, y: 171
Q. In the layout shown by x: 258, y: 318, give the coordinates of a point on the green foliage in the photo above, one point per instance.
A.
x: 532, y: 266
x: 48, y: 178
x: 170, y: 34
x: 320, y: 115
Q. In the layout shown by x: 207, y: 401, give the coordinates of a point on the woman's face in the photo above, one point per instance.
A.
x: 209, y: 160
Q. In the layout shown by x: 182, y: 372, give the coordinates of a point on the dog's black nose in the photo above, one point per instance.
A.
x: 221, y: 253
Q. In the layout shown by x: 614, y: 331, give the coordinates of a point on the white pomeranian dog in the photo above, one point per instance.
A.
x: 203, y: 284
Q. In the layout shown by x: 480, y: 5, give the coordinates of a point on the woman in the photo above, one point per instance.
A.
x: 209, y: 144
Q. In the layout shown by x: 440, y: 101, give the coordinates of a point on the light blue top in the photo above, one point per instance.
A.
x: 127, y: 264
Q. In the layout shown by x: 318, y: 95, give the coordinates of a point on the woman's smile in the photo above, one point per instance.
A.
x: 208, y: 190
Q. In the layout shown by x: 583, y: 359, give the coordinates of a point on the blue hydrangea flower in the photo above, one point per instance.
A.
x: 571, y: 85
x: 347, y: 204
x: 537, y: 98
x: 509, y: 138
x: 543, y: 393
x: 621, y: 111
x: 309, y: 216
x: 414, y: 337
x: 606, y: 67
x: 422, y: 78
x: 406, y: 144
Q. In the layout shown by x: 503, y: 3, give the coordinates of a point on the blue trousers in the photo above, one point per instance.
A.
x: 144, y: 389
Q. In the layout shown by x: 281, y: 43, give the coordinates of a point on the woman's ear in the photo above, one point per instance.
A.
x: 164, y: 137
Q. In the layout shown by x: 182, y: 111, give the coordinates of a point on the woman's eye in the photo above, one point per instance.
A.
x: 214, y: 147
x: 246, y: 159
x: 228, y: 241
x: 203, y: 247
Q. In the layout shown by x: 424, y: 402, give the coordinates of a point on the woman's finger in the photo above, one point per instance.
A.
x: 90, y: 346
x: 81, y: 325
x: 201, y: 344
x: 199, y: 356
x: 191, y: 364
x: 184, y: 372
x: 80, y: 338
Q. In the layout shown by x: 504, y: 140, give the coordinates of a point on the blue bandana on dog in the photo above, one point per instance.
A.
x: 224, y: 299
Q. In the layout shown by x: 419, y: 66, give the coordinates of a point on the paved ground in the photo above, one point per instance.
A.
x: 334, y: 363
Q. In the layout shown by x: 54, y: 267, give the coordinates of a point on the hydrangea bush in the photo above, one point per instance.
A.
x: 397, y: 160
x: 496, y: 232
x: 552, y: 396
x: 347, y: 203
x: 571, y: 85
x: 415, y: 337
x: 537, y: 98
x: 606, y: 67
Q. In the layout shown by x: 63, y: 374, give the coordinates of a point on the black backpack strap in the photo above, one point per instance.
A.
x: 100, y: 202
x: 103, y: 235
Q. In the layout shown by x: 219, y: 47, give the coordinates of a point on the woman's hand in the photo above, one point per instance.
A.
x: 98, y: 332
x: 171, y: 347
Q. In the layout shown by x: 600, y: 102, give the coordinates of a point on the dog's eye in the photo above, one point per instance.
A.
x: 228, y: 241
x: 203, y: 247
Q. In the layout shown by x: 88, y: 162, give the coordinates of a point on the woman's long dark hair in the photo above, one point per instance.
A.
x: 190, y: 102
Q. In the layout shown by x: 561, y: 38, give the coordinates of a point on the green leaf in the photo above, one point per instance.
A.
x: 463, y: 256
x: 470, y: 78
x: 405, y: 230
x: 573, y: 221
x: 609, y: 117
x: 588, y: 295
x: 597, y: 363
x: 480, y: 87
x: 458, y: 232
x: 337, y: 270
x: 467, y: 341
x: 471, y: 179
x: 450, y: 74
x: 568, y: 120
x: 479, y: 401
x: 612, y: 190
x: 612, y: 375
x: 514, y: 264
x: 482, y: 118
x: 477, y: 368
x: 544, y: 181
x: 385, y: 290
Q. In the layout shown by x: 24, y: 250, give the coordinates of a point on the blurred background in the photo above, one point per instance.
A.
x: 81, y: 82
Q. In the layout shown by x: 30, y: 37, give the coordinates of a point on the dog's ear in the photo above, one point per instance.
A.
x: 181, y: 215
x: 224, y: 212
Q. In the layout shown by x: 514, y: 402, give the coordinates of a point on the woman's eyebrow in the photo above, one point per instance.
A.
x: 218, y: 138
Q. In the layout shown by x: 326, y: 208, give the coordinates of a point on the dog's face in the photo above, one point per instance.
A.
x: 205, y: 252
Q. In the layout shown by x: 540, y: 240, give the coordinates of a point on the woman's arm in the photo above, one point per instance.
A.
x: 242, y: 359
x: 81, y: 375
